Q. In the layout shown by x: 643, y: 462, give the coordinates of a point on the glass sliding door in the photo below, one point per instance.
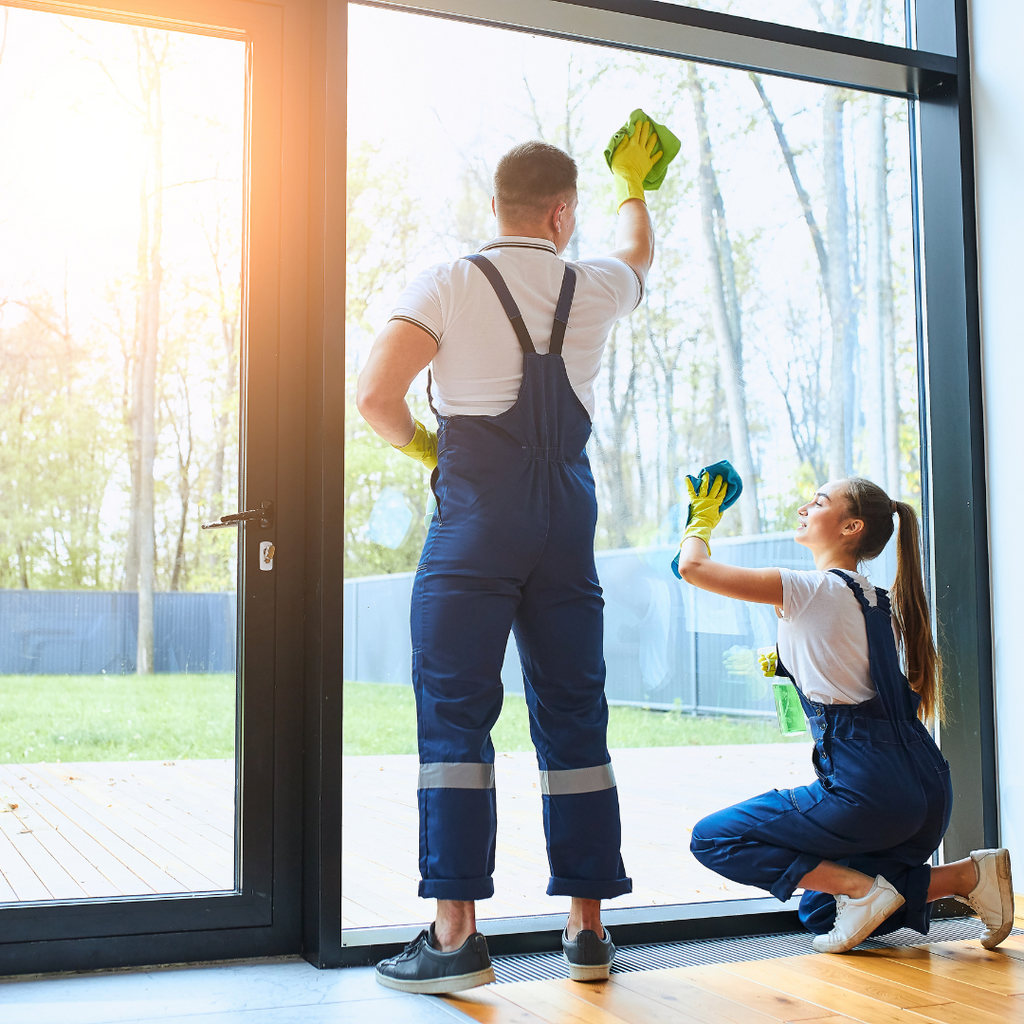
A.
x: 120, y: 299
x: 778, y: 330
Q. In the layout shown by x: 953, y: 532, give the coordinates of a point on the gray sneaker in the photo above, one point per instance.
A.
x: 589, y: 958
x: 422, y: 968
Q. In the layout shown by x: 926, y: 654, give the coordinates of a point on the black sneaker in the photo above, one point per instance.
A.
x: 589, y: 958
x: 422, y: 968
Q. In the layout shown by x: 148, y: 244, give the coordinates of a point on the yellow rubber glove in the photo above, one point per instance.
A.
x: 769, y: 662
x: 632, y: 162
x: 705, y: 507
x: 422, y: 447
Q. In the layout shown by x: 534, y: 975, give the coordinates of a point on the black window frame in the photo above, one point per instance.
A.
x: 935, y: 77
x: 261, y: 915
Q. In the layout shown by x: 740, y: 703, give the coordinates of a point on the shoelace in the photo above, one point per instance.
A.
x: 972, y: 902
x: 840, y: 907
x: 410, y: 948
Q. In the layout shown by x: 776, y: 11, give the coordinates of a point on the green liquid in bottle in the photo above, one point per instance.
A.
x: 789, y: 709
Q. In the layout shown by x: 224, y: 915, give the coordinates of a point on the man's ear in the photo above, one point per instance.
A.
x: 494, y: 208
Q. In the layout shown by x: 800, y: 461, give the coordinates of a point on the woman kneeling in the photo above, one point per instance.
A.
x: 859, y: 839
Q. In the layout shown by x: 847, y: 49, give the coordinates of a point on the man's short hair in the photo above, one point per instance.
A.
x: 532, y: 175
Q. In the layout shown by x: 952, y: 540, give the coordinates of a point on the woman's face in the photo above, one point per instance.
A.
x: 825, y: 521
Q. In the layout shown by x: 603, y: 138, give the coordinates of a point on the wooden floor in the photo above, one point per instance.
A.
x: 663, y: 792
x: 941, y: 983
x: 104, y: 829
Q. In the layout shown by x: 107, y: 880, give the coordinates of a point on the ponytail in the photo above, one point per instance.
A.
x: 870, y: 503
x: 910, y: 608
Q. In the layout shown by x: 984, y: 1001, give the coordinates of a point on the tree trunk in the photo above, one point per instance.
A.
x: 887, y: 325
x: 613, y: 453
x: 873, y: 398
x: 889, y: 390
x: 147, y: 334
x: 725, y: 310
x: 22, y: 566
x: 881, y: 401
x: 131, y: 563
x: 840, y: 297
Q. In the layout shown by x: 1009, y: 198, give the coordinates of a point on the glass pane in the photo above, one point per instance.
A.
x: 883, y: 21
x: 797, y: 238
x: 120, y: 259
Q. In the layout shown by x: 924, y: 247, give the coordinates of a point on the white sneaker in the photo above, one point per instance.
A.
x: 857, y: 919
x: 992, y: 898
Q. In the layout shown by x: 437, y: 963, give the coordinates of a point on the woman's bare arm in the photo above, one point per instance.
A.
x: 761, y: 586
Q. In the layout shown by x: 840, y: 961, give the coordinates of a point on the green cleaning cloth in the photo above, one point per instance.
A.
x: 667, y: 143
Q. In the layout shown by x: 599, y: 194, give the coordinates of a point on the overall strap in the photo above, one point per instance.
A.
x: 505, y: 297
x: 562, y: 311
x: 891, y: 684
x: 854, y: 586
x: 881, y: 594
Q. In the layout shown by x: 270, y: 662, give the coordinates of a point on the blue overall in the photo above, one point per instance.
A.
x: 881, y: 802
x: 511, y: 547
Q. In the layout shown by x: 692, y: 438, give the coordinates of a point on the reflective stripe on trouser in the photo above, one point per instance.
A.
x: 881, y: 803
x: 511, y: 547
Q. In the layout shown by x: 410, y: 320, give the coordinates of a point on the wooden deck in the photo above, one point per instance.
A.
x: 941, y: 983
x: 103, y: 829
x: 663, y: 792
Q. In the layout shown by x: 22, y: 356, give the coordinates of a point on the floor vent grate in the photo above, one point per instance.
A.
x: 541, y: 966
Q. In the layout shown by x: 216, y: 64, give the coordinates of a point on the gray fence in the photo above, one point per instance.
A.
x: 71, y: 632
x: 666, y: 644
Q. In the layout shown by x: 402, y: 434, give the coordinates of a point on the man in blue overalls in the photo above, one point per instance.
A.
x: 514, y: 337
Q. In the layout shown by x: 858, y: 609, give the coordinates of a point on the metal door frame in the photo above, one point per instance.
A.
x: 262, y: 916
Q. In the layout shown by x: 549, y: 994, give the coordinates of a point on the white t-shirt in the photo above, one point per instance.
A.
x: 823, y: 640
x: 479, y: 363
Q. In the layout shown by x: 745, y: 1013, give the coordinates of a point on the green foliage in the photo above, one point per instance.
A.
x: 380, y: 718
x: 58, y: 447
x: 385, y: 227
x: 116, y: 718
x: 371, y: 464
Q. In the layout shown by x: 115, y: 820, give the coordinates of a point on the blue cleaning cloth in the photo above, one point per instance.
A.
x: 733, y: 489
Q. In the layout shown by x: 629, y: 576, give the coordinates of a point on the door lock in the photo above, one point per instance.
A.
x: 264, y: 515
x: 266, y: 555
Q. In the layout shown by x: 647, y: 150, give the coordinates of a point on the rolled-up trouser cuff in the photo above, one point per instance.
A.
x: 585, y: 889
x: 456, y: 888
x: 802, y: 865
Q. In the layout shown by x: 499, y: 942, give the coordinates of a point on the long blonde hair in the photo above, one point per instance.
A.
x: 868, y: 502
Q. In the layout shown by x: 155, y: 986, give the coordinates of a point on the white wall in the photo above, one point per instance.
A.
x: 998, y: 28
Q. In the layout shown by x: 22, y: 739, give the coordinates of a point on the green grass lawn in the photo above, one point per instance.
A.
x: 116, y: 718
x: 380, y: 718
x: 167, y: 717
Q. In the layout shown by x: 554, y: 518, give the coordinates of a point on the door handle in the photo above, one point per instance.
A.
x: 264, y: 515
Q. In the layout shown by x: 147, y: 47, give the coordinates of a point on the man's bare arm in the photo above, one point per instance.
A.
x: 398, y: 355
x: 634, y: 237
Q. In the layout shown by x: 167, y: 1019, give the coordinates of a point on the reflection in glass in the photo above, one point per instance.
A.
x: 120, y: 269
x: 778, y: 330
